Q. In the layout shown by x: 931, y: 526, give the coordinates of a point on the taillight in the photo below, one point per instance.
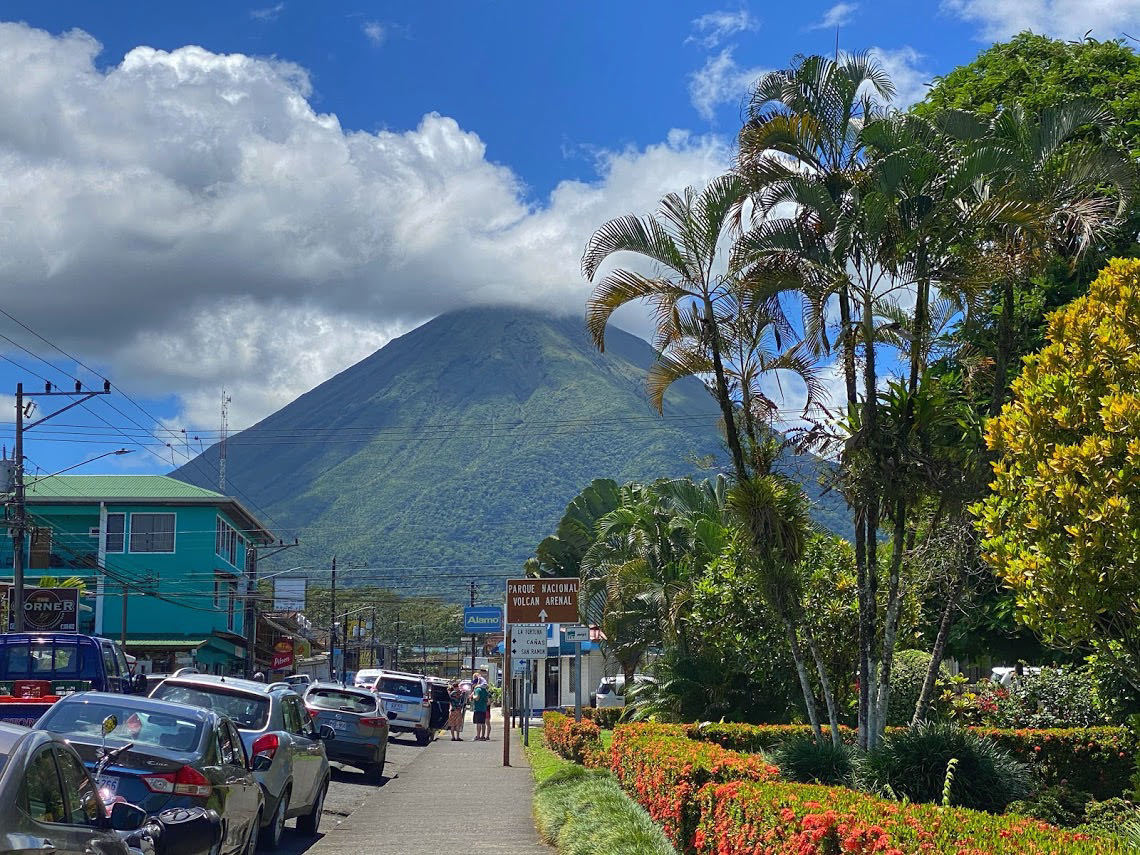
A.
x: 187, y: 781
x: 426, y: 702
x: 266, y: 745
x: 374, y: 722
x: 313, y: 713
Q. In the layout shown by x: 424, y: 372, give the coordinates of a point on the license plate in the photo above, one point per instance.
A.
x: 108, y: 785
x: 396, y: 707
x: 340, y: 725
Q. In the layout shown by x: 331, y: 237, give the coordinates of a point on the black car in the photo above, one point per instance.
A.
x: 181, y: 756
x: 48, y: 801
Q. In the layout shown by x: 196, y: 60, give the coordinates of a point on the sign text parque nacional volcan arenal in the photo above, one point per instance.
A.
x: 543, y: 600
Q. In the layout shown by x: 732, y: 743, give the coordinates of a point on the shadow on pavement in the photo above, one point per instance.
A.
x: 348, y: 775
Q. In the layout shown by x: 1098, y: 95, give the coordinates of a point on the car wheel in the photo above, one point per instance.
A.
x: 310, y: 823
x: 271, y: 839
x: 423, y: 737
x: 375, y: 773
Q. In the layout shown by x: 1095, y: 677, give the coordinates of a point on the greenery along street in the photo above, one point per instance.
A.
x: 968, y: 269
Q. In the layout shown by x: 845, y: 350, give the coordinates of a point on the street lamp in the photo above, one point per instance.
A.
x: 116, y: 452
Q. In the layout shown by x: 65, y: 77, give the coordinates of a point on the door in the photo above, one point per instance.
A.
x: 112, y: 678
x: 307, y: 754
x: 222, y: 799
x: 244, y: 793
x: 553, y: 683
x: 56, y: 820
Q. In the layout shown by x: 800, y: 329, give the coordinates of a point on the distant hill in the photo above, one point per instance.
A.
x: 459, y: 445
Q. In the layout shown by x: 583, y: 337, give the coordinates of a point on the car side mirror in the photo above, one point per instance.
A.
x: 126, y: 817
x: 326, y: 733
x: 261, y: 763
x: 138, y: 684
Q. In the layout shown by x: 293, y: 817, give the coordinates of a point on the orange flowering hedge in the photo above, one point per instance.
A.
x: 572, y: 740
x: 774, y: 818
x: 1096, y: 760
x: 664, y: 770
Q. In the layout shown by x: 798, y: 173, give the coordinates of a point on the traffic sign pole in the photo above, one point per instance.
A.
x: 578, y: 681
x: 508, y: 678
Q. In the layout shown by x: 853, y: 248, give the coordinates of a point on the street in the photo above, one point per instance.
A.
x: 349, y: 790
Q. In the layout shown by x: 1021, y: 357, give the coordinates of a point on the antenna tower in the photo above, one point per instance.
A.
x: 222, y: 442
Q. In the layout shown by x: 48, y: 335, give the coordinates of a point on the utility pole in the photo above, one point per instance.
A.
x: 332, y: 625
x: 472, y: 634
x: 423, y: 644
x: 250, y: 611
x: 396, y: 652
x: 19, y: 497
x: 372, y: 640
x: 123, y: 631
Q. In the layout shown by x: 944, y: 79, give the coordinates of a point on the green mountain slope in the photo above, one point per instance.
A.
x: 459, y: 445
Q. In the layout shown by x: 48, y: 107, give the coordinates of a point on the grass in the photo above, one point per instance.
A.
x: 585, y: 812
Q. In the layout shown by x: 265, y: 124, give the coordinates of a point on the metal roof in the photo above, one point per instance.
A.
x: 115, y: 487
x: 139, y: 490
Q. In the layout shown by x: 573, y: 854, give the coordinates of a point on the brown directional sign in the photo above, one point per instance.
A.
x: 542, y: 600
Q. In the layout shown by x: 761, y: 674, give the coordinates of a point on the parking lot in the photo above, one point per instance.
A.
x: 349, y: 790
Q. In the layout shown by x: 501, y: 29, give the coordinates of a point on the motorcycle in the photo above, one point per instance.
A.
x: 175, y: 831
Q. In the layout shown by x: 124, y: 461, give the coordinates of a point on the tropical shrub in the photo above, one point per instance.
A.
x: 908, y: 672
x: 913, y: 764
x: 663, y: 770
x: 803, y: 759
x: 580, y: 742
x: 1055, y: 697
x: 1059, y: 805
x: 756, y: 738
x: 1096, y: 760
x: 608, y: 717
x: 1110, y: 814
x: 777, y: 818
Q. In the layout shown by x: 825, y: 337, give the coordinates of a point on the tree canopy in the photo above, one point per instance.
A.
x: 1062, y: 526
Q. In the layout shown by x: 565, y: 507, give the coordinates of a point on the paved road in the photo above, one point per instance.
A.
x: 348, y: 791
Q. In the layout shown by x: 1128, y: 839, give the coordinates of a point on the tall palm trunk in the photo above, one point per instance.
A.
x: 805, y: 683
x: 1004, y: 345
x: 869, y: 605
x: 926, y: 695
x: 825, y: 686
x: 726, y: 406
x: 894, y: 599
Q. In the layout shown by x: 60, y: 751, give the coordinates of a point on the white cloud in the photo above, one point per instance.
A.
x: 720, y: 81
x: 712, y: 28
x: 375, y: 31
x: 904, y: 65
x: 186, y: 220
x: 839, y: 15
x: 1066, y: 19
x: 269, y: 13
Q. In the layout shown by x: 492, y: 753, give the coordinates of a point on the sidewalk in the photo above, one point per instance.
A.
x: 455, y: 797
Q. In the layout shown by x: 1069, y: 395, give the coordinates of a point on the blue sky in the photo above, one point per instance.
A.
x: 207, y: 196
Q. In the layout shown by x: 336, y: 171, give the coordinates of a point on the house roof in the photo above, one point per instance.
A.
x: 138, y: 490
x: 115, y: 487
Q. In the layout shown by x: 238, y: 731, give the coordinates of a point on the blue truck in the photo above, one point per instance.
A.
x: 36, y: 669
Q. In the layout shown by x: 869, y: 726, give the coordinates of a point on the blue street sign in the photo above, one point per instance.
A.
x: 480, y: 619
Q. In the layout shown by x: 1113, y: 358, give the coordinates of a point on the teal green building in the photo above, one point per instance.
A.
x: 170, y: 557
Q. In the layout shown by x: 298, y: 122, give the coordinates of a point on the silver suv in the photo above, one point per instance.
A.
x: 409, y: 696
x: 287, y: 752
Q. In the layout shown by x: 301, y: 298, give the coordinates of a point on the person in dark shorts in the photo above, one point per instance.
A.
x: 481, y: 704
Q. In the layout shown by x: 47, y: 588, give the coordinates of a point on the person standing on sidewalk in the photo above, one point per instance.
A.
x: 481, y: 704
x: 458, y: 700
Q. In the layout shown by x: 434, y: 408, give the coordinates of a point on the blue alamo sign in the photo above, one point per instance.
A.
x: 482, y: 619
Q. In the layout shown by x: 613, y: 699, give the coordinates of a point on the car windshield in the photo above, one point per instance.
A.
x: 337, y: 699
x: 170, y: 730
x: 400, y: 688
x: 249, y: 712
x: 46, y: 660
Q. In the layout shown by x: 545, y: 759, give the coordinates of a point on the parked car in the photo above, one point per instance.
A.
x: 361, y: 723
x: 287, y: 750
x: 299, y: 682
x: 36, y: 670
x: 171, y: 756
x: 611, y: 690
x: 409, y: 696
x: 365, y: 677
x: 49, y: 802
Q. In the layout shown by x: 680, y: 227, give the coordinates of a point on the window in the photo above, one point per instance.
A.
x: 218, y: 583
x: 110, y: 666
x: 225, y: 745
x: 152, y: 532
x: 240, y: 758
x: 116, y: 526
x: 83, y: 805
x: 250, y: 712
x: 294, y: 716
x: 230, y: 606
x: 41, y: 796
x: 171, y: 731
x: 226, y: 541
x: 39, y: 557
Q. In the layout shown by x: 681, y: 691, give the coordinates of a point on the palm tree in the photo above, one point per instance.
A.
x: 1079, y: 188
x: 683, y: 240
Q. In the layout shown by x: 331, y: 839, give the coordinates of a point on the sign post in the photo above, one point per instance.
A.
x: 576, y: 635
x: 508, y: 678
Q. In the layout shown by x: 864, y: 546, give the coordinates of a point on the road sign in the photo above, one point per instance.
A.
x: 542, y: 600
x: 480, y: 619
x: 576, y: 633
x: 528, y: 641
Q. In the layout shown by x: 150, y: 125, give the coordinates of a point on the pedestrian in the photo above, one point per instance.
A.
x: 458, y: 700
x: 481, y: 704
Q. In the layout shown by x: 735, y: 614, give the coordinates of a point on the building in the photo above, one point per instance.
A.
x: 179, y: 553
